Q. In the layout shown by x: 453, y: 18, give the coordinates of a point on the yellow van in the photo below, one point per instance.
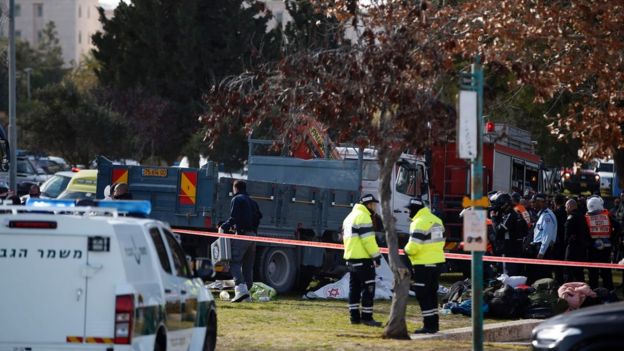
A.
x: 82, y: 185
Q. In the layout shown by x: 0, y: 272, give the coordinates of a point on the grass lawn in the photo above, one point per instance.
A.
x: 290, y: 323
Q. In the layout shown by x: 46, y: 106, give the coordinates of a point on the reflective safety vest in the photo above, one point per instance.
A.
x: 358, y: 235
x: 426, y: 243
x: 599, y: 225
x: 521, y: 210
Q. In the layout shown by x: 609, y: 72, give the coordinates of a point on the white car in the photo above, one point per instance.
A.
x: 87, y: 278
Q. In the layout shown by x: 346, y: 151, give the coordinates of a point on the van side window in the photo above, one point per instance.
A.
x: 179, y: 258
x: 161, y: 249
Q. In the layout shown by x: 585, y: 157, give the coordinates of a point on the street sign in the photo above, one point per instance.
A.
x: 475, y: 230
x: 467, y: 125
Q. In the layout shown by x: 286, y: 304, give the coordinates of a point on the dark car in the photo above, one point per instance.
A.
x: 592, y: 328
x: 580, y: 182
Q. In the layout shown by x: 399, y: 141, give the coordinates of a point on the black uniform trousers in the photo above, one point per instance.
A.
x: 361, y: 288
x: 426, y: 280
x: 603, y: 256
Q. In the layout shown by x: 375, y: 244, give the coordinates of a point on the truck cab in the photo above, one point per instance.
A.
x: 89, y: 278
x: 409, y: 179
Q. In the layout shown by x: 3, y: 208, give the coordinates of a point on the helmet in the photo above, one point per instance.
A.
x: 516, y: 196
x: 502, y: 201
x: 595, y: 204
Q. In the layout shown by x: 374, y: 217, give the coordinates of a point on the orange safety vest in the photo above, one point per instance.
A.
x: 521, y: 210
x: 599, y: 225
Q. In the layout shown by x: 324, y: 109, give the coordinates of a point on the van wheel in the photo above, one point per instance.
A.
x: 210, y: 342
x: 277, y: 267
x: 161, y: 341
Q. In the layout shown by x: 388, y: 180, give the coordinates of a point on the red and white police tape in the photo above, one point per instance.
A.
x: 452, y: 256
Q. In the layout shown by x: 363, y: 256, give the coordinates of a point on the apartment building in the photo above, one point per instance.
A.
x: 75, y: 20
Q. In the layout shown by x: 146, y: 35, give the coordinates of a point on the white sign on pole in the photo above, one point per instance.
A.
x: 467, y: 125
x: 475, y: 230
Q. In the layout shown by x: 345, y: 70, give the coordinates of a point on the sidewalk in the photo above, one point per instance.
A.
x: 519, y: 330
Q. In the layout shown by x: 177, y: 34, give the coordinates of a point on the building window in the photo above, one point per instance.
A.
x: 279, y: 17
x: 39, y: 35
x: 39, y: 10
x: 79, y: 37
x: 79, y: 11
x: 18, y: 10
x: 18, y: 33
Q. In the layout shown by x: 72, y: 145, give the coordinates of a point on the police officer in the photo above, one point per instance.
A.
x: 509, y: 229
x: 544, y: 236
x: 362, y: 255
x: 602, y: 231
x: 425, y: 250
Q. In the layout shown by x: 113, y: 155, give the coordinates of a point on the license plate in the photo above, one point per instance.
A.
x: 583, y: 184
x: 154, y: 172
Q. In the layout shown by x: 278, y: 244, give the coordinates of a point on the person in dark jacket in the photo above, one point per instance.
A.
x: 576, y: 240
x: 244, y: 220
x: 509, y: 229
x: 559, y: 246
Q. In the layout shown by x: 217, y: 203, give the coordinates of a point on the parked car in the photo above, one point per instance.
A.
x: 100, y: 281
x: 81, y: 186
x: 588, y: 329
x: 52, y: 164
x: 27, y: 174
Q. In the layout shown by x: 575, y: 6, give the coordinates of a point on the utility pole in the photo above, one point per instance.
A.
x: 470, y: 147
x: 12, y: 119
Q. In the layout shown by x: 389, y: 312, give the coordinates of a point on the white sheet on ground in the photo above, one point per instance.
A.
x: 340, y: 289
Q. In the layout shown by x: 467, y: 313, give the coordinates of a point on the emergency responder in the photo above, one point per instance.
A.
x: 362, y: 255
x: 544, y: 236
x: 425, y: 250
x: 509, y: 229
x: 603, y: 232
x: 577, y: 240
x: 520, y: 209
x: 559, y: 247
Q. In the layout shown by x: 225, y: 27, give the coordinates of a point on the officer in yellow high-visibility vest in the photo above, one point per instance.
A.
x: 425, y: 250
x: 362, y: 255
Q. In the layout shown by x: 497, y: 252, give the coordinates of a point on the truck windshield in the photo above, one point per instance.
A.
x: 410, y: 180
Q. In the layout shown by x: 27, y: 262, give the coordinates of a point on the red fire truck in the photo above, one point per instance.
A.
x: 509, y: 164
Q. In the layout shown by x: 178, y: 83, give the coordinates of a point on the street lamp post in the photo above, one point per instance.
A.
x: 12, y: 109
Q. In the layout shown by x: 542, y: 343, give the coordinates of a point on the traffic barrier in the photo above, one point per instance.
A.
x: 451, y: 256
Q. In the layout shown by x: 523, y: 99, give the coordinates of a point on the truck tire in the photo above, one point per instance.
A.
x: 277, y: 267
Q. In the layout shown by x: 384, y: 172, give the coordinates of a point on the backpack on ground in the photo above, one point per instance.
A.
x: 456, y: 291
x: 544, y: 299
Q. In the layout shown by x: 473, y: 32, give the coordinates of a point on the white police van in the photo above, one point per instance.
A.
x: 87, y: 278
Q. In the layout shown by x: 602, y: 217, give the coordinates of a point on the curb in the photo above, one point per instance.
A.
x: 495, y: 332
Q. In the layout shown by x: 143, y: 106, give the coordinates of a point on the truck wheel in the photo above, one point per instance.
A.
x: 277, y: 267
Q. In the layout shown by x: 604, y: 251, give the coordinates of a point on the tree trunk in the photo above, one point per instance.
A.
x: 396, y: 327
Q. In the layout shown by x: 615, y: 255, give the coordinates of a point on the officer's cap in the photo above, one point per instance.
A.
x: 539, y: 197
x: 368, y: 198
x: 415, y: 201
